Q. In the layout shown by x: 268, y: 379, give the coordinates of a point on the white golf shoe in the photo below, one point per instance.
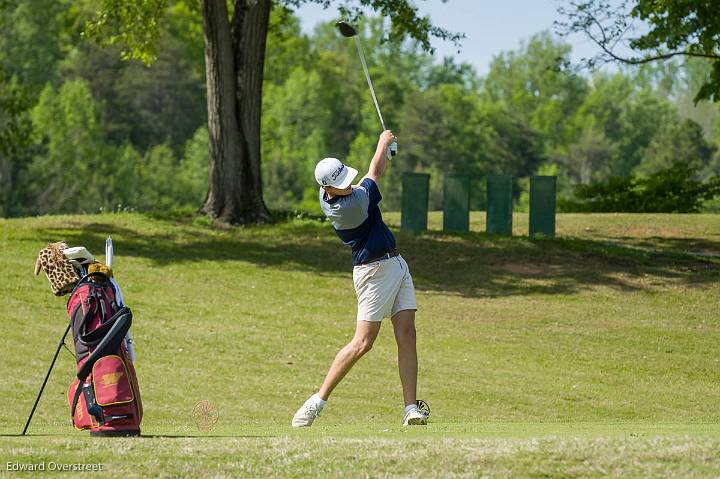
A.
x: 417, y: 416
x: 305, y: 416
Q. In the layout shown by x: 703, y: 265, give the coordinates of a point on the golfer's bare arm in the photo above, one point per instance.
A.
x: 380, y: 160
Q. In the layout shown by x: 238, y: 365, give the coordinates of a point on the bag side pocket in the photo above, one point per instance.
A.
x: 111, y: 381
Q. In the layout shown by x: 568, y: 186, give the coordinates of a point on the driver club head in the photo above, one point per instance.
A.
x: 346, y: 29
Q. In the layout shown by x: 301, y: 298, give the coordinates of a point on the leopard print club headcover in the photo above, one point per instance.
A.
x: 57, y: 267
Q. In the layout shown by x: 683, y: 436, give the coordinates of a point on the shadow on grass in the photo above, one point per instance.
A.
x: 468, y: 264
x: 696, y: 245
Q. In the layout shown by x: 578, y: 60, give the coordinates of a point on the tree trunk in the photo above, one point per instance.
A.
x: 234, y: 61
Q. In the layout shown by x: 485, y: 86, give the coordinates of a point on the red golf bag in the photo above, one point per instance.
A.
x: 104, y: 397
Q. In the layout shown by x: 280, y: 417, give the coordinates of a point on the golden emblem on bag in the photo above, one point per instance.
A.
x: 110, y: 379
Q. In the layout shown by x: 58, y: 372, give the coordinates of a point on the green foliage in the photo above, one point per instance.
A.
x: 681, y: 142
x: 161, y: 182
x: 536, y: 83
x: 15, y: 140
x: 15, y: 125
x: 293, y: 142
x: 609, y: 130
x: 694, y: 72
x: 143, y: 105
x: 71, y: 173
x: 645, y: 115
x: 160, y: 179
x: 134, y: 25
x: 184, y: 27
x: 287, y: 47
x: 76, y: 169
x: 193, y: 173
x: 125, y: 179
x: 673, y: 190
x: 34, y: 38
x: 589, y: 158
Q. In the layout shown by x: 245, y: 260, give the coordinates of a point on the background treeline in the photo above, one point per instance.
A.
x: 81, y: 130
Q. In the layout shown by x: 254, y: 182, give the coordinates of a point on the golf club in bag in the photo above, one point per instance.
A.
x: 348, y: 31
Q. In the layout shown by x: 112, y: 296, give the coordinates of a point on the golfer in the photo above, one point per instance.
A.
x: 381, y: 277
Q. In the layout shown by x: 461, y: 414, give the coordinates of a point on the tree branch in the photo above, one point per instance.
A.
x: 586, y: 17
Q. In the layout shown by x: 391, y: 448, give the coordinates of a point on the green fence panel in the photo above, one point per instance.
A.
x: 499, y: 204
x: 456, y: 202
x: 415, y: 187
x: 542, y: 205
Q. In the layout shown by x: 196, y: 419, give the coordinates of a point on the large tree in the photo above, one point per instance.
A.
x: 235, y: 40
x: 642, y: 31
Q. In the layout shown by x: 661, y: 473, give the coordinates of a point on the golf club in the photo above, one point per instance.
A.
x: 348, y: 31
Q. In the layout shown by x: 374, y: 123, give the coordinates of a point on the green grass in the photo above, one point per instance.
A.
x: 590, y: 355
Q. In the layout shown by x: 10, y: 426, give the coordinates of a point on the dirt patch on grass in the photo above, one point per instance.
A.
x: 526, y: 269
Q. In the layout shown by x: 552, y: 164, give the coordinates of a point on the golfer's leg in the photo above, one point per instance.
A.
x: 365, y: 334
x: 404, y: 326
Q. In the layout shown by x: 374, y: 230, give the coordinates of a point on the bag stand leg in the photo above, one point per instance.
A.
x: 47, y: 376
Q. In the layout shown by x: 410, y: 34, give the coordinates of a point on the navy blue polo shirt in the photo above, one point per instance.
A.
x: 357, y: 220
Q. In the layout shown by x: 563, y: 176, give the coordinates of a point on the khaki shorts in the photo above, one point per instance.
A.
x: 383, y: 288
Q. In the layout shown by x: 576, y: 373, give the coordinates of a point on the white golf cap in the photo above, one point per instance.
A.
x: 332, y: 172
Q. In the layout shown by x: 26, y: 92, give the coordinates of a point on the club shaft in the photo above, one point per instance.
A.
x: 369, y: 81
x: 42, y: 388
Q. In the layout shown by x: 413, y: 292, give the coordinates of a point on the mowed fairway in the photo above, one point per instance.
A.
x: 591, y: 355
